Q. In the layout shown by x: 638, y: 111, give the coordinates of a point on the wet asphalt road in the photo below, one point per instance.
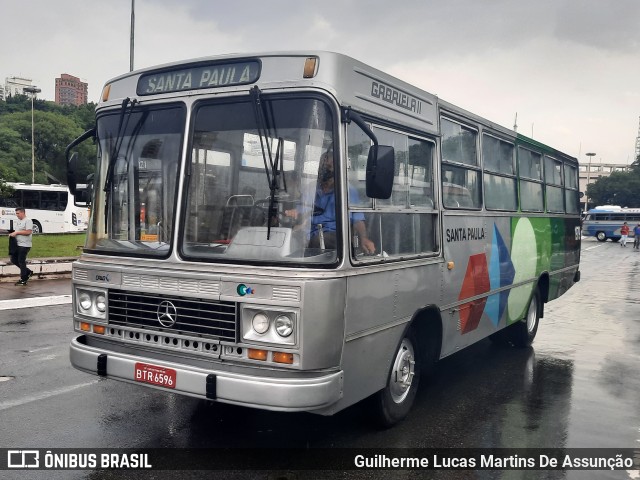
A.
x: 578, y: 386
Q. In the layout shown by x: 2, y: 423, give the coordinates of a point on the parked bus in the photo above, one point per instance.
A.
x: 51, y: 208
x: 197, y: 278
x: 604, y: 222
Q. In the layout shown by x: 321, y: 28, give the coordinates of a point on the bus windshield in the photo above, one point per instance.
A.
x: 136, y: 180
x: 254, y: 192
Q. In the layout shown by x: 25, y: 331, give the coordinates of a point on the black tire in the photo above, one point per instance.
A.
x: 499, y: 338
x: 522, y: 333
x: 37, y: 228
x: 601, y: 236
x: 394, y: 401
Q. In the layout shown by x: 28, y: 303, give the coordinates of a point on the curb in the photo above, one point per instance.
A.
x: 42, y: 268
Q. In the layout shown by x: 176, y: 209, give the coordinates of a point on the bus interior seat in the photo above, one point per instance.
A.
x: 237, y: 213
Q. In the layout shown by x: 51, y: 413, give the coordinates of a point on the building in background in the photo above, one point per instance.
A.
x: 71, y: 90
x: 14, y: 86
x: 589, y: 176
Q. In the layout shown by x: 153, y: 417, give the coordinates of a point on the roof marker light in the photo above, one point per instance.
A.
x: 105, y: 92
x: 310, y: 67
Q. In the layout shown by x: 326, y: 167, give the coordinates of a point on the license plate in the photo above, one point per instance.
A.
x: 160, y: 376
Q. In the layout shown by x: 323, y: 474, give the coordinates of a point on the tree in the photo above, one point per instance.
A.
x: 619, y: 188
x: 55, y: 127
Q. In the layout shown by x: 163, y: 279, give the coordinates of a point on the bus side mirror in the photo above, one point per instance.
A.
x: 81, y: 193
x: 81, y: 196
x: 380, y: 171
x: 72, y: 168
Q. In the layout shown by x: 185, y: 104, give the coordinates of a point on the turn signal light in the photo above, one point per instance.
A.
x: 99, y: 329
x: 282, y: 357
x: 85, y: 327
x: 254, y: 354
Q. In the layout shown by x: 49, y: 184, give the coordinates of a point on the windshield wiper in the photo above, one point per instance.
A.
x: 122, y: 127
x: 115, y: 150
x: 274, y: 166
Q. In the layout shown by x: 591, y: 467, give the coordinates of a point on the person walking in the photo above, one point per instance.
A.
x: 22, y: 234
x: 636, y: 237
x: 624, y: 231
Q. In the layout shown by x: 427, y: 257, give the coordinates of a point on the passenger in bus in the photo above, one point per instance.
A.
x: 624, y: 233
x: 323, y: 213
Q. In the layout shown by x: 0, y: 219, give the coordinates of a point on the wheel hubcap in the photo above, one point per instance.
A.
x: 402, y: 372
x: 532, y: 315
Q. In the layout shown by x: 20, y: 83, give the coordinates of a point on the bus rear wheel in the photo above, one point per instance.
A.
x: 601, y: 236
x: 393, y: 402
x: 522, y: 333
x: 37, y: 228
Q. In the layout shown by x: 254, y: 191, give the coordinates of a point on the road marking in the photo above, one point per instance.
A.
x: 42, y: 396
x: 40, y: 349
x: 591, y: 248
x: 34, y: 302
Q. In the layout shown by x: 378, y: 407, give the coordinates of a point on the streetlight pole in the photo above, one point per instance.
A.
x: 33, y: 91
x: 132, y: 36
x: 586, y: 196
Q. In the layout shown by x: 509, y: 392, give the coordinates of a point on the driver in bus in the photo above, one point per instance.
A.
x: 323, y: 217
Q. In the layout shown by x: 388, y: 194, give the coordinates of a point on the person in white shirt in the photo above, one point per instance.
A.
x: 22, y: 234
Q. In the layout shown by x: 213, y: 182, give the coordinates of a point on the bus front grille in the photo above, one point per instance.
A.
x: 190, y: 316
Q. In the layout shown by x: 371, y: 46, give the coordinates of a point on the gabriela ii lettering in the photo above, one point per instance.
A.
x: 199, y: 76
x: 395, y: 97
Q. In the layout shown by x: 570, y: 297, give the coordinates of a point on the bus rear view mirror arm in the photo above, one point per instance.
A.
x: 380, y: 161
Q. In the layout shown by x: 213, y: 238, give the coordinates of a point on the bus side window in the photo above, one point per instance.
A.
x: 400, y: 234
x: 357, y: 151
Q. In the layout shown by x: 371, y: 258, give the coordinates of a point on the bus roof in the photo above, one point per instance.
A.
x: 38, y: 186
x: 613, y: 209
x: 353, y: 84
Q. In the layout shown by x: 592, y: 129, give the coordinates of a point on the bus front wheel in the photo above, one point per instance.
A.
x: 393, y: 402
x: 601, y: 236
x: 37, y: 228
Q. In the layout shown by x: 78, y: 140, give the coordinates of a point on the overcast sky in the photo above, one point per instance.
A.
x: 569, y: 68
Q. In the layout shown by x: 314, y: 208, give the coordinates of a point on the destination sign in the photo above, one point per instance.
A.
x: 199, y: 76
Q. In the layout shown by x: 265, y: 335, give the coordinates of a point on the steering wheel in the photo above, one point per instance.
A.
x: 281, y: 219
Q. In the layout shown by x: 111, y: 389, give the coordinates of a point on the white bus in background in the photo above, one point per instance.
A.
x: 50, y: 207
x: 605, y: 222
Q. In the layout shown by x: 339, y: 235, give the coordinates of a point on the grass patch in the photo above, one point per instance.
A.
x: 50, y: 245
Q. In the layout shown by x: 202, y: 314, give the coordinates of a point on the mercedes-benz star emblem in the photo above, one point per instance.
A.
x: 167, y: 314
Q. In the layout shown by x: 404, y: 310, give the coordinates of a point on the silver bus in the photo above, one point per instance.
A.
x: 299, y: 231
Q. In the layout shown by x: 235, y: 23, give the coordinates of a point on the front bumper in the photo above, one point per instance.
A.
x: 264, y: 392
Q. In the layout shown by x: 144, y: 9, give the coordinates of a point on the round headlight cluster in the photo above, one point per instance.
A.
x: 92, y: 303
x: 283, y: 324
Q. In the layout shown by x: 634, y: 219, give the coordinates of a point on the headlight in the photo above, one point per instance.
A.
x: 91, y: 302
x: 284, y: 326
x: 84, y: 300
x: 101, y: 303
x: 260, y: 323
x: 267, y: 324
